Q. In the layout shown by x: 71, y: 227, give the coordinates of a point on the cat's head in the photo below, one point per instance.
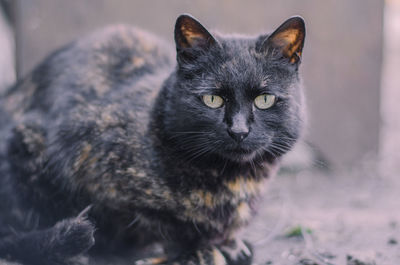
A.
x: 234, y: 96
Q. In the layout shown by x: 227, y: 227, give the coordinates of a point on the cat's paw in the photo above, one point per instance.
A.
x: 73, y: 236
x: 152, y: 261
x: 237, y: 252
x: 67, y: 239
x: 210, y: 255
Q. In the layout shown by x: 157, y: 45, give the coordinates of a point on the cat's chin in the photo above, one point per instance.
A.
x: 240, y: 156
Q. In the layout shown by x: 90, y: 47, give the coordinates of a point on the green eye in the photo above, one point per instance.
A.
x: 264, y: 101
x: 213, y: 101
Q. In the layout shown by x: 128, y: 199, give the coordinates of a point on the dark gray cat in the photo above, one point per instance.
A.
x: 164, y: 152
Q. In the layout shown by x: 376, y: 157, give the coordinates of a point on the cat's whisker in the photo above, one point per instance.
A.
x: 223, y: 168
x: 201, y: 152
x: 195, y: 141
x: 253, y: 166
x: 280, y: 145
x: 134, y: 221
x: 196, y: 227
x: 206, y: 149
x: 259, y: 154
x: 192, y: 139
x: 161, y: 232
x: 268, y: 151
x: 286, y: 138
x: 278, y: 148
x: 189, y: 134
x: 194, y: 144
x: 284, y: 142
x: 206, y: 87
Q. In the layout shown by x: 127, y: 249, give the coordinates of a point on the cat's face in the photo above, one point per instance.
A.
x: 236, y: 97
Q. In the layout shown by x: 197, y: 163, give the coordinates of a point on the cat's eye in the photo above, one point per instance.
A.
x: 213, y: 101
x: 264, y: 101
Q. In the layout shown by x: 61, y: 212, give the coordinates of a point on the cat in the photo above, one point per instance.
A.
x: 173, y: 151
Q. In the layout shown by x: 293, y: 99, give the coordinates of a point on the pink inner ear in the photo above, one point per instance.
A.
x: 288, y: 38
x: 192, y: 37
x: 191, y: 33
x: 290, y: 42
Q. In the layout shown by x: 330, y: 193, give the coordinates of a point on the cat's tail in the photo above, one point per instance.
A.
x: 65, y: 240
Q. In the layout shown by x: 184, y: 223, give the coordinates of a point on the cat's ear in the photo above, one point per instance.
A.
x: 190, y: 36
x: 287, y: 39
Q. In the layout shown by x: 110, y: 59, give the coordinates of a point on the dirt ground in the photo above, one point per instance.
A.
x: 318, y: 218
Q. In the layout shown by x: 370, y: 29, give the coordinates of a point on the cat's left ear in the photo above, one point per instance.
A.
x: 190, y: 35
x: 287, y: 39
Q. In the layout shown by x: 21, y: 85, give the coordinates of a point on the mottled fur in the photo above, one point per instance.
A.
x: 111, y: 121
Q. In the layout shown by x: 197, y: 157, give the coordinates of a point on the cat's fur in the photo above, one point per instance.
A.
x: 113, y: 122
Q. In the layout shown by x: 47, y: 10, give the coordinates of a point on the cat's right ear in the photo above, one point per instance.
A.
x: 287, y: 40
x: 191, y: 37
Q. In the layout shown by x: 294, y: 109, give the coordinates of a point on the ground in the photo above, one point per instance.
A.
x: 340, y: 215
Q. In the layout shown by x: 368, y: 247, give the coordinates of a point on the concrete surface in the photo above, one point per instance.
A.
x: 390, y: 95
x: 7, y: 53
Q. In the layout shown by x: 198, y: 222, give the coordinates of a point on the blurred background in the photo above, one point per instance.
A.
x: 351, y: 72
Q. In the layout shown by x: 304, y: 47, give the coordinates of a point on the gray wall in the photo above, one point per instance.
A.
x: 341, y: 63
x: 7, y: 53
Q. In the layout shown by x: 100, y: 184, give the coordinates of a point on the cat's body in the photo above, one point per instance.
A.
x: 103, y: 122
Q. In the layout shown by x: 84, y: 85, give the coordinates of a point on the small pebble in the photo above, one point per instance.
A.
x: 392, y: 241
x: 326, y: 254
x: 352, y: 260
x: 307, y: 262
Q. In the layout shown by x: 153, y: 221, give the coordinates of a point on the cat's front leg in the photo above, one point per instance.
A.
x: 203, y: 256
x: 237, y: 252
x: 231, y: 252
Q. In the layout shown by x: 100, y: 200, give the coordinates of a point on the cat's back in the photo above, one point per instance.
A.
x: 113, y: 64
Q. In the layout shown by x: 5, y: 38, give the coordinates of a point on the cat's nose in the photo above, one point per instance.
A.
x: 238, y: 136
x: 239, y: 128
